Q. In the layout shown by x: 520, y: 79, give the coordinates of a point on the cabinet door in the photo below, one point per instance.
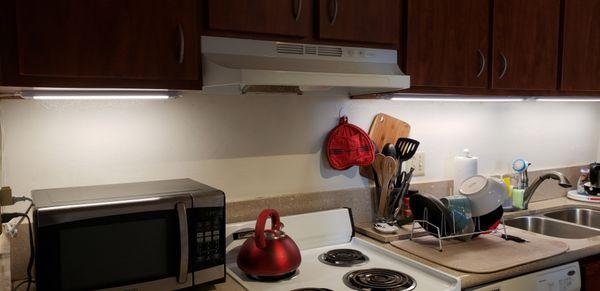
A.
x: 276, y: 17
x: 447, y: 43
x: 101, y: 42
x: 525, y: 42
x: 581, y: 47
x: 590, y: 273
x: 374, y: 21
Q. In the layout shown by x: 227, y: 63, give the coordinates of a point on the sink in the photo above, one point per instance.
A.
x: 551, y: 227
x: 579, y: 216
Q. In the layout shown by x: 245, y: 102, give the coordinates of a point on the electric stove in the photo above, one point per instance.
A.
x: 334, y: 259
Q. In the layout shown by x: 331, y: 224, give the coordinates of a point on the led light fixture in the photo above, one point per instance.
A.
x: 99, y: 95
x: 568, y: 99
x: 458, y: 99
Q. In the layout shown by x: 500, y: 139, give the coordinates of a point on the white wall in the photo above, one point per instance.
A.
x: 598, y: 156
x: 261, y: 145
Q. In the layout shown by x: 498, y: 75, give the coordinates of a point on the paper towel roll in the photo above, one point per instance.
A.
x: 465, y: 166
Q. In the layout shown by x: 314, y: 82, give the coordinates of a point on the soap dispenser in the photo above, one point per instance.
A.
x: 520, y: 167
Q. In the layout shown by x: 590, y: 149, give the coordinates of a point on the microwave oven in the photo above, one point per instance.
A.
x: 160, y: 235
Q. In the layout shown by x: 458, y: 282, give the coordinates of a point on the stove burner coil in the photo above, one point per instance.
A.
x: 287, y: 276
x: 379, y: 280
x: 343, y: 258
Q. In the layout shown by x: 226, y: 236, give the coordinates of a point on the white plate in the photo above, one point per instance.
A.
x: 582, y: 197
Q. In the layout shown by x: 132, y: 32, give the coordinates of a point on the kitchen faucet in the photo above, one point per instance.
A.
x: 560, y: 177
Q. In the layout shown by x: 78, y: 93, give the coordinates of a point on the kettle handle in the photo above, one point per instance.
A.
x: 259, y: 230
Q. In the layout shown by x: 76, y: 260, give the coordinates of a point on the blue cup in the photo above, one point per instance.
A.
x: 460, y: 209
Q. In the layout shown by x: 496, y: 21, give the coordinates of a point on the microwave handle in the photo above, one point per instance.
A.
x: 183, y: 240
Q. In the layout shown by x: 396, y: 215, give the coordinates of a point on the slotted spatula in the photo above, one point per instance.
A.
x: 405, y: 150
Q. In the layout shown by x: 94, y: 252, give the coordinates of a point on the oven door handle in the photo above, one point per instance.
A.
x: 183, y: 240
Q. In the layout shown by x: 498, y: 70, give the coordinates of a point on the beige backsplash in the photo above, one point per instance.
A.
x: 360, y: 200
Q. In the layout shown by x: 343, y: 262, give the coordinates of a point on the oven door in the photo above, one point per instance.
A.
x: 131, y: 245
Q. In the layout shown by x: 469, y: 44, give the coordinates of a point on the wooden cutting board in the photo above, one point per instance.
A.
x: 384, y: 129
x: 403, y: 232
x: 485, y: 254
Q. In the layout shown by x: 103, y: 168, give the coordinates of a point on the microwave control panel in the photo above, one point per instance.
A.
x: 209, y: 235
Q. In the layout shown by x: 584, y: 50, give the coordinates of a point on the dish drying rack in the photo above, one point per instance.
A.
x: 418, y: 224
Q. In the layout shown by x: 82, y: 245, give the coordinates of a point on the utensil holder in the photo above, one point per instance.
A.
x: 389, y: 217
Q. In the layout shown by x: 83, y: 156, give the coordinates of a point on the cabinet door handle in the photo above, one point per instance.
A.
x: 504, y: 66
x: 181, y: 56
x: 183, y: 241
x: 333, y: 11
x: 297, y: 9
x: 481, y: 63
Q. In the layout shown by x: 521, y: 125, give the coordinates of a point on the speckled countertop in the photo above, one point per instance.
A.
x: 578, y: 248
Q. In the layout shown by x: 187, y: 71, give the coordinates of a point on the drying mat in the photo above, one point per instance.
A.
x: 485, y: 254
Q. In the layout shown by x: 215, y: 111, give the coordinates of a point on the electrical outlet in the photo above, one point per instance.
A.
x: 417, y: 162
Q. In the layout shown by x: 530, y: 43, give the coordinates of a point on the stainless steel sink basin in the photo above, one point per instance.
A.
x: 551, y: 227
x: 579, y: 216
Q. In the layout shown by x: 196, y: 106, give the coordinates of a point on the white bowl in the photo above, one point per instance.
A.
x: 486, y: 194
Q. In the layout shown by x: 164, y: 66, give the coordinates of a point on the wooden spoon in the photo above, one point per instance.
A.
x: 378, y: 168
x: 388, y: 168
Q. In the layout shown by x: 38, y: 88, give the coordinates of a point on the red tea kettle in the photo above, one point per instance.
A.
x: 270, y: 252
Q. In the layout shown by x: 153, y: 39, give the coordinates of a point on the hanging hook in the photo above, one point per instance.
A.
x: 340, y: 111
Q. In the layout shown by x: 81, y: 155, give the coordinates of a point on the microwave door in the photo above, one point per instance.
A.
x: 141, y: 246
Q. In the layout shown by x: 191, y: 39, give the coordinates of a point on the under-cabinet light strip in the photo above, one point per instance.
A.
x: 492, y: 99
x: 568, y: 99
x: 441, y: 99
x: 100, y: 97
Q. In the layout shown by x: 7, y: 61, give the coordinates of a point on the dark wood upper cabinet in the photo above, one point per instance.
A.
x: 525, y: 44
x: 101, y: 43
x: 447, y: 43
x: 277, y: 17
x: 590, y: 272
x: 581, y: 47
x: 374, y: 21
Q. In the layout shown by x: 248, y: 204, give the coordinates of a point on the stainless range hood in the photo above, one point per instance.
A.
x: 243, y: 66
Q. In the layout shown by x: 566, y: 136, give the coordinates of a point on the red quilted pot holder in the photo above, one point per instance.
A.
x: 348, y: 145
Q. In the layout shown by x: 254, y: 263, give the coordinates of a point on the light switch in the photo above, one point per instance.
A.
x: 417, y: 162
